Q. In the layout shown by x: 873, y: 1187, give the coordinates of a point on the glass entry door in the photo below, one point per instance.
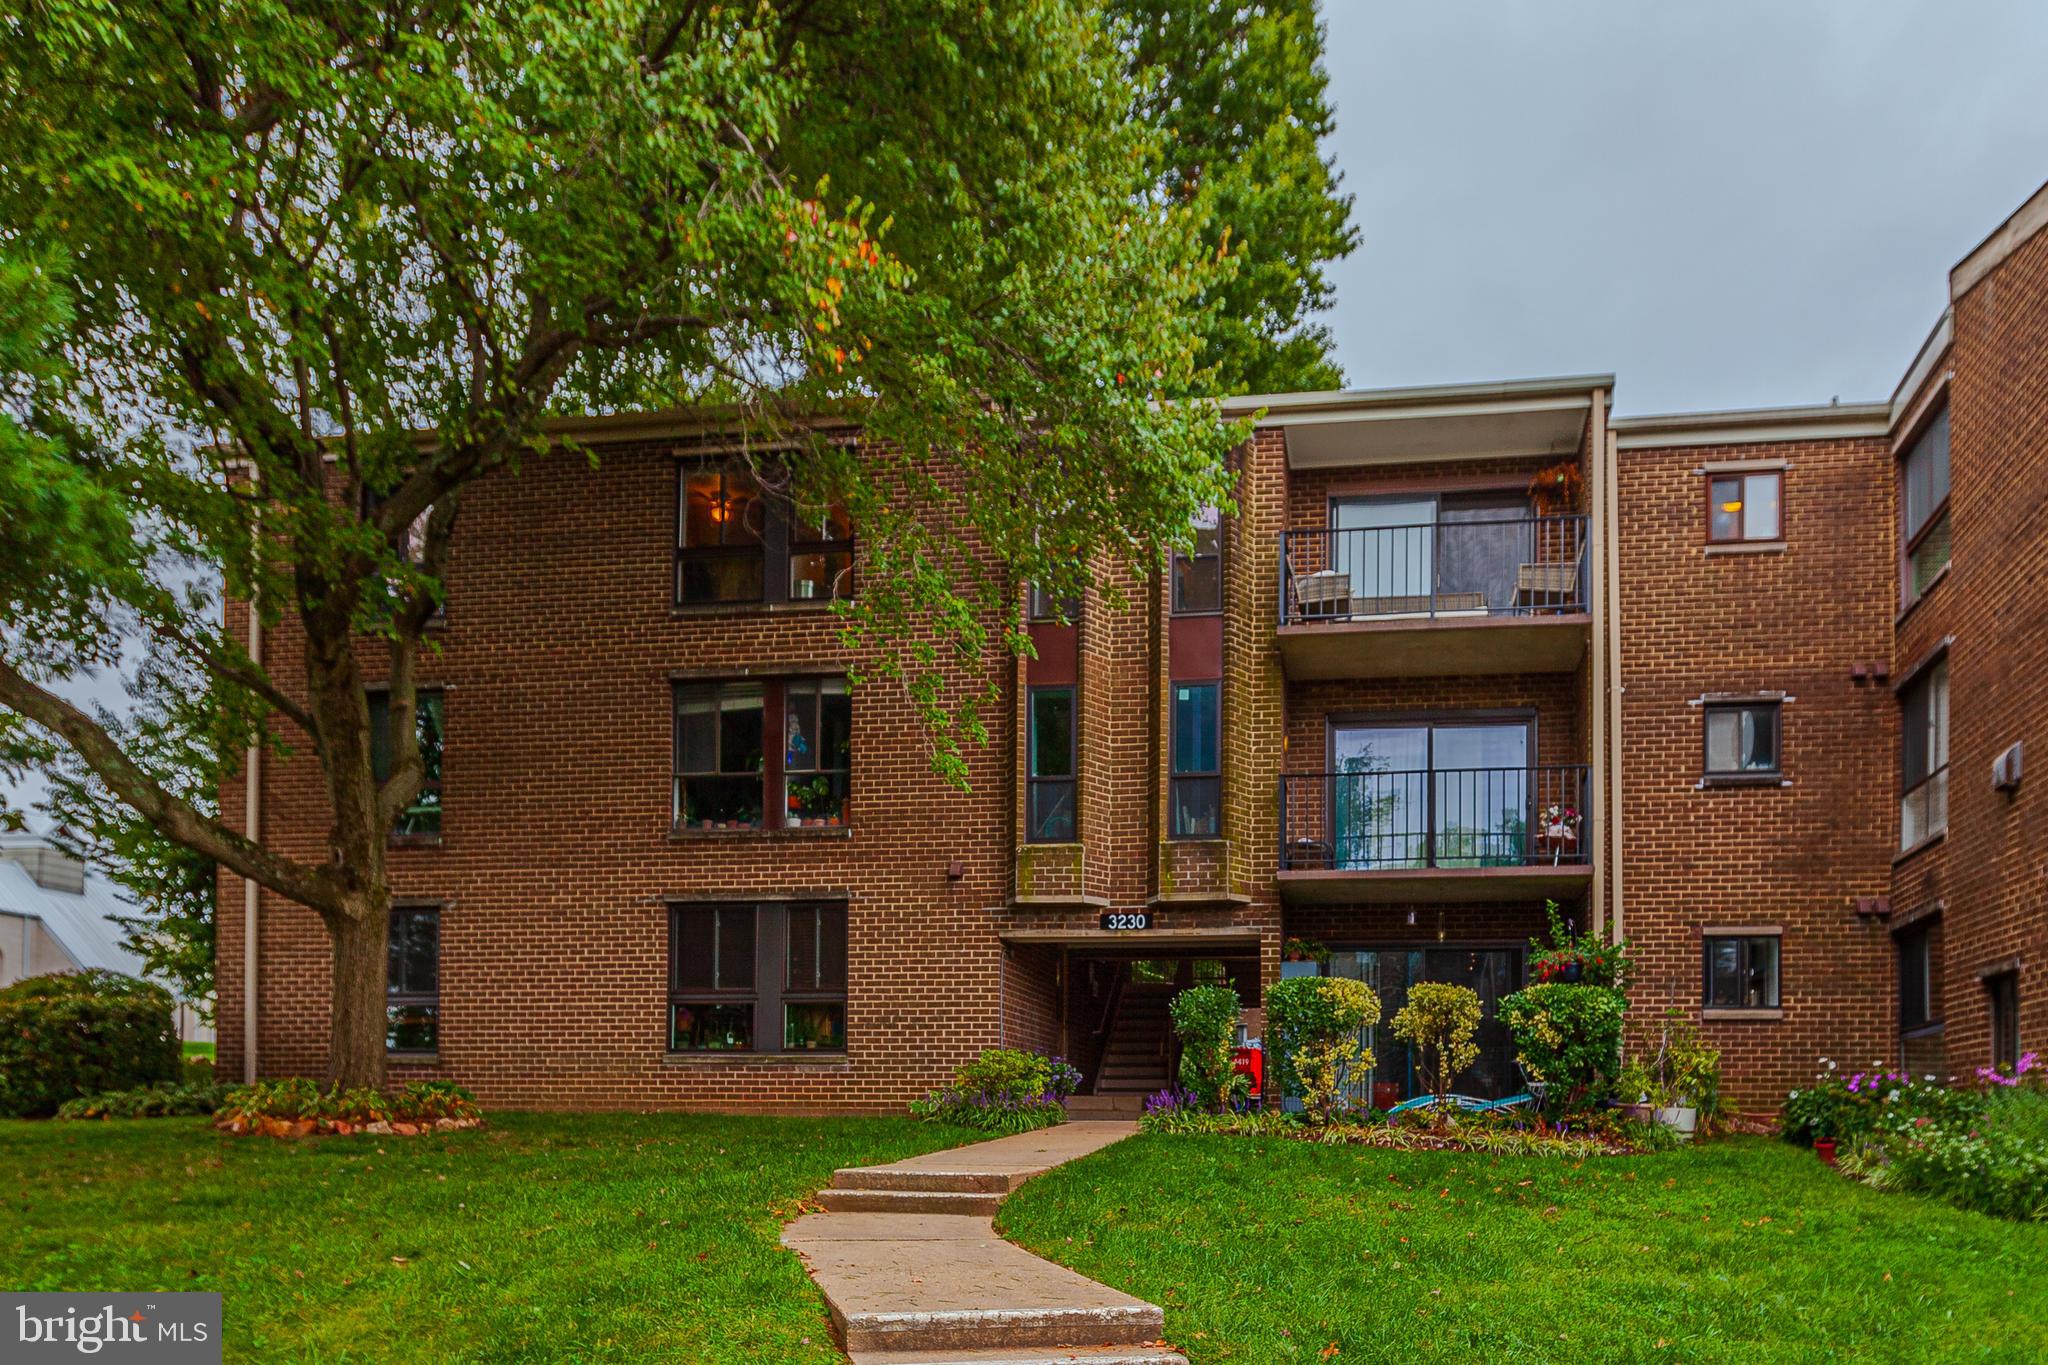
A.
x: 1438, y: 795
x: 1489, y: 972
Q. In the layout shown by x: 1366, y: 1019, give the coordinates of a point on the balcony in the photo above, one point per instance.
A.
x: 1438, y: 834
x: 1503, y: 595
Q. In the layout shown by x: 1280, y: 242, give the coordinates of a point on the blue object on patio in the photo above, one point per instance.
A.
x: 1469, y: 1103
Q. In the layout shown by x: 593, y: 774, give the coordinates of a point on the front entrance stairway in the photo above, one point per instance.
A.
x: 1136, y: 1049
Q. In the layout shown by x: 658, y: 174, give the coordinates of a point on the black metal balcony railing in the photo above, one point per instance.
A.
x: 1534, y: 566
x: 1436, y: 818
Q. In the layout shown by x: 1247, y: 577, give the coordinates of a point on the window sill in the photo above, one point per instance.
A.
x: 413, y: 841
x: 1940, y: 577
x: 412, y: 1059
x: 786, y: 832
x: 796, y: 606
x: 1711, y: 780
x: 1933, y: 1028
x: 735, y: 1057
x: 1930, y: 841
x: 1745, y: 547
x: 1710, y: 1013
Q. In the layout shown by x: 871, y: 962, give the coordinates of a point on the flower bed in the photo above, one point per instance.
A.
x: 300, y: 1108
x: 1985, y: 1150
x: 1004, y: 1090
x: 1594, y: 1133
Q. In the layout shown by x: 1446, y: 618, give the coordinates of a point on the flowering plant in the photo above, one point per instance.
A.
x: 1578, y: 958
x: 2028, y: 1071
x: 1561, y: 821
x: 1855, y: 1105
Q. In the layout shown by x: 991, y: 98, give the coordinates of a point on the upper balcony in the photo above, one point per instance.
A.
x: 1384, y: 595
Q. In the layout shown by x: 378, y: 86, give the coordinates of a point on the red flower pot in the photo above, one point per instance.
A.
x: 1824, y: 1148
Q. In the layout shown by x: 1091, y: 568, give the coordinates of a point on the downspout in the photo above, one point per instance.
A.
x: 1615, y: 689
x: 1596, y: 452
x: 252, y: 817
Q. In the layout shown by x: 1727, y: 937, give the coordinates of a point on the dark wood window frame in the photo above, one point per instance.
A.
x: 419, y: 823
x: 1923, y: 679
x: 1916, y: 941
x: 770, y: 985
x: 1045, y: 609
x: 774, y: 772
x: 403, y: 990
x: 1742, y: 534
x: 2002, y: 1004
x: 1051, y: 784
x: 1745, y: 942
x: 1178, y: 774
x: 1211, y: 522
x: 784, y: 537
x: 1770, y: 776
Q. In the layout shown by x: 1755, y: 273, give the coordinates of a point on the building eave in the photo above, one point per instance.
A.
x: 1754, y: 426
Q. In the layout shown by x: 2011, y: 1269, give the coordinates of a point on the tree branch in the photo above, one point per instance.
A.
x: 318, y: 887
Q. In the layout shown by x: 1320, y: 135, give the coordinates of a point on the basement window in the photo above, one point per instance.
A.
x: 757, y: 978
x: 412, y: 995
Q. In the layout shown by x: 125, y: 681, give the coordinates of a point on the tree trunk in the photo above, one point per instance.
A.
x: 355, y: 1045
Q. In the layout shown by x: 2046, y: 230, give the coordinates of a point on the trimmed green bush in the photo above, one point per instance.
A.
x: 1568, y: 1037
x: 1439, y: 1022
x: 159, y: 1101
x: 1004, y: 1090
x: 1313, y: 1023
x: 1205, y: 1018
x: 70, y: 1034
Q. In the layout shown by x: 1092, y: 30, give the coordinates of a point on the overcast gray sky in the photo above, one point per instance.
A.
x: 1727, y: 203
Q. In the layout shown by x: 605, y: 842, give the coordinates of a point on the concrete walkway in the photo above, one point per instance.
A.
x: 914, y: 1273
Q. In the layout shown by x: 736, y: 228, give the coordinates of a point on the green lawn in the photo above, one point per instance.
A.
x: 1270, y: 1250
x: 541, y: 1237
x: 205, y: 1050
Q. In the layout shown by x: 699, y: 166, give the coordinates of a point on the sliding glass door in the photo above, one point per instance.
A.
x: 1435, y: 794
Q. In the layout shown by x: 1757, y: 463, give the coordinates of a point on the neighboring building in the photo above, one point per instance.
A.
x: 1455, y: 652
x: 57, y: 916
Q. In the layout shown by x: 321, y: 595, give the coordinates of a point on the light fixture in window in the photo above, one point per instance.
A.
x: 1731, y: 507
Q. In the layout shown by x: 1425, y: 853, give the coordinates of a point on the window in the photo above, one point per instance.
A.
x: 1741, y: 739
x: 1745, y: 506
x: 720, y: 758
x: 1916, y: 978
x: 2004, y: 992
x: 421, y: 819
x: 821, y: 557
x: 1195, y: 793
x: 730, y: 775
x: 1742, y: 972
x: 817, y: 752
x: 1050, y: 789
x: 1923, y: 500
x: 767, y: 978
x: 737, y: 543
x: 1060, y: 610
x: 1198, y: 574
x: 1923, y: 760
x: 412, y: 993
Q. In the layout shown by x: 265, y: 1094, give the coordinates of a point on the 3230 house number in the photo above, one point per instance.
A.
x: 1127, y: 919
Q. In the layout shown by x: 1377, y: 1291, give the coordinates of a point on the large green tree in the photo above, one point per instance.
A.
x: 1239, y: 92
x: 305, y: 272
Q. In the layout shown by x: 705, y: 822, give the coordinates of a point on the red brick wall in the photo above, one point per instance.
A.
x: 1990, y: 874
x: 1796, y: 855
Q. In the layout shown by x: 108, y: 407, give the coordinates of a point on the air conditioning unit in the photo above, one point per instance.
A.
x: 2007, y: 768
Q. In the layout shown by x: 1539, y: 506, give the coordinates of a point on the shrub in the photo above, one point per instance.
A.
x: 1205, y: 1019
x: 1004, y: 1090
x: 1314, y: 1023
x: 298, y: 1107
x: 162, y: 1100
x: 1986, y: 1151
x: 1567, y: 1037
x: 82, y: 1033
x: 1594, y: 963
x: 1849, y: 1108
x: 1681, y: 1070
x: 1439, y: 1021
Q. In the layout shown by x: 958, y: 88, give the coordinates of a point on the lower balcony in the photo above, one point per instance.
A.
x: 1438, y: 834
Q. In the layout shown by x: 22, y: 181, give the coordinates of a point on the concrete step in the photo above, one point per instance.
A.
x: 975, y: 1203
x: 942, y: 1334
x: 941, y: 1182
x: 1101, y: 1106
x: 1029, y: 1355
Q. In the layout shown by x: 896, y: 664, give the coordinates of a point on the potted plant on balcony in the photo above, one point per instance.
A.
x: 1555, y: 488
x: 1558, y: 830
x: 1304, y: 950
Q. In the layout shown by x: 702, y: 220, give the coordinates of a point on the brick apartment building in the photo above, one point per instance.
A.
x: 1745, y: 687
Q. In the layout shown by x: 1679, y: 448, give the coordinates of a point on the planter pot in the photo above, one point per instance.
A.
x: 1824, y: 1148
x: 1641, y: 1113
x: 1681, y: 1119
x: 1573, y: 973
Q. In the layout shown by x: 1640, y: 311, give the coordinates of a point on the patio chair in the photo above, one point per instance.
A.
x: 1550, y: 582
x: 1323, y: 594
